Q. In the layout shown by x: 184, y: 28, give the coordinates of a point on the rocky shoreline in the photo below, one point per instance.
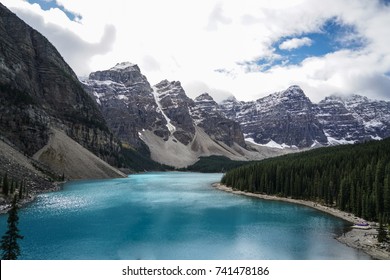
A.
x: 361, y: 239
x: 5, y: 205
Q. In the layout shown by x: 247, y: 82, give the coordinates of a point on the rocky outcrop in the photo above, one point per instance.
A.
x: 373, y: 114
x: 339, y: 124
x: 175, y: 106
x: 127, y: 102
x: 354, y: 119
x: 207, y: 114
x: 39, y: 91
x: 286, y: 117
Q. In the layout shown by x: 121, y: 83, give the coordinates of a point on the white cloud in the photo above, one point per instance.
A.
x: 190, y: 40
x: 295, y: 43
x: 66, y: 36
x: 217, y: 17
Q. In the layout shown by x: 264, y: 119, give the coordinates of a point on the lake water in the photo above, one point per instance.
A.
x: 172, y: 216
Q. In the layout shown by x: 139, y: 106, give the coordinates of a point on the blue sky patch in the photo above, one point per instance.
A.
x: 332, y: 36
x: 49, y: 4
x: 385, y: 2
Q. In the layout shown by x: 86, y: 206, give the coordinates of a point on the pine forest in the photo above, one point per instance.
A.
x: 352, y: 178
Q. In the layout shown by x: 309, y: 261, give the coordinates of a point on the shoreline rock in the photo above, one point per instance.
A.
x: 360, y: 239
x: 4, y: 208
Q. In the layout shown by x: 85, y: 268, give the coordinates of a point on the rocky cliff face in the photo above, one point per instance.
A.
x: 175, y: 105
x: 285, y: 117
x: 39, y: 91
x: 131, y: 106
x: 127, y: 102
x: 354, y: 119
x: 162, y: 116
x: 208, y: 115
x: 339, y: 125
x: 290, y: 118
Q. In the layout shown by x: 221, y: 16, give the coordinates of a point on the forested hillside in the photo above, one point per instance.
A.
x: 352, y: 178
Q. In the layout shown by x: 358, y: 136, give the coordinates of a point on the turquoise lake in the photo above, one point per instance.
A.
x: 172, y: 215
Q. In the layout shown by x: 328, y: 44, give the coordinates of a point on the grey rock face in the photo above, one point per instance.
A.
x: 285, y: 117
x: 127, y: 102
x: 176, y: 105
x: 130, y: 105
x: 289, y: 117
x: 338, y: 122
x: 355, y: 118
x: 208, y: 115
x: 374, y: 114
x: 38, y: 90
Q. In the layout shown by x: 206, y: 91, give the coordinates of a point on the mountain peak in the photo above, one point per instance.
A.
x: 293, y: 90
x: 357, y: 98
x: 294, y: 87
x: 125, y: 73
x: 231, y: 100
x: 165, y: 83
x: 204, y: 97
x: 122, y: 66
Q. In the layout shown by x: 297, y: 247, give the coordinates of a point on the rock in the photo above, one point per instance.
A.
x: 354, y: 119
x: 286, y: 117
x: 207, y: 114
x: 175, y: 105
x: 127, y: 102
x: 39, y: 91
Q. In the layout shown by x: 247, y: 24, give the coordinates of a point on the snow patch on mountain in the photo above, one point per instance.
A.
x: 122, y: 66
x: 334, y: 141
x: 271, y: 144
x: 159, y: 109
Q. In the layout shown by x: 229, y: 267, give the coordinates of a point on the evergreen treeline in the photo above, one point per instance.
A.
x: 214, y: 164
x: 140, y: 161
x: 352, y: 178
x: 11, y: 187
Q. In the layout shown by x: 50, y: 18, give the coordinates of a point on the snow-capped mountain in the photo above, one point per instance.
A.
x: 127, y: 102
x: 175, y: 106
x: 208, y: 115
x: 354, y: 119
x: 176, y: 129
x: 289, y: 118
x: 285, y: 117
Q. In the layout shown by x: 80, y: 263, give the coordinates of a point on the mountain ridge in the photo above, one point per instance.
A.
x: 162, y: 117
x: 39, y: 93
x: 332, y: 121
x: 283, y: 120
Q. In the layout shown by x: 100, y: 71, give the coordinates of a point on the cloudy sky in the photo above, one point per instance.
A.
x: 246, y: 48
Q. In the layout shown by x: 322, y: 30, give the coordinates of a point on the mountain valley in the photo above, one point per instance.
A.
x: 113, y: 122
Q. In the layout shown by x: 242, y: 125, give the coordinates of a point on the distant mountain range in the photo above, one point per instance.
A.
x: 175, y: 128
x: 283, y: 120
x: 56, y: 124
x: 288, y: 118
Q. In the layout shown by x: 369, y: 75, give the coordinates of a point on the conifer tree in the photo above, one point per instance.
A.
x: 9, y: 241
x: 5, y: 184
x: 12, y: 187
x: 382, y: 235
